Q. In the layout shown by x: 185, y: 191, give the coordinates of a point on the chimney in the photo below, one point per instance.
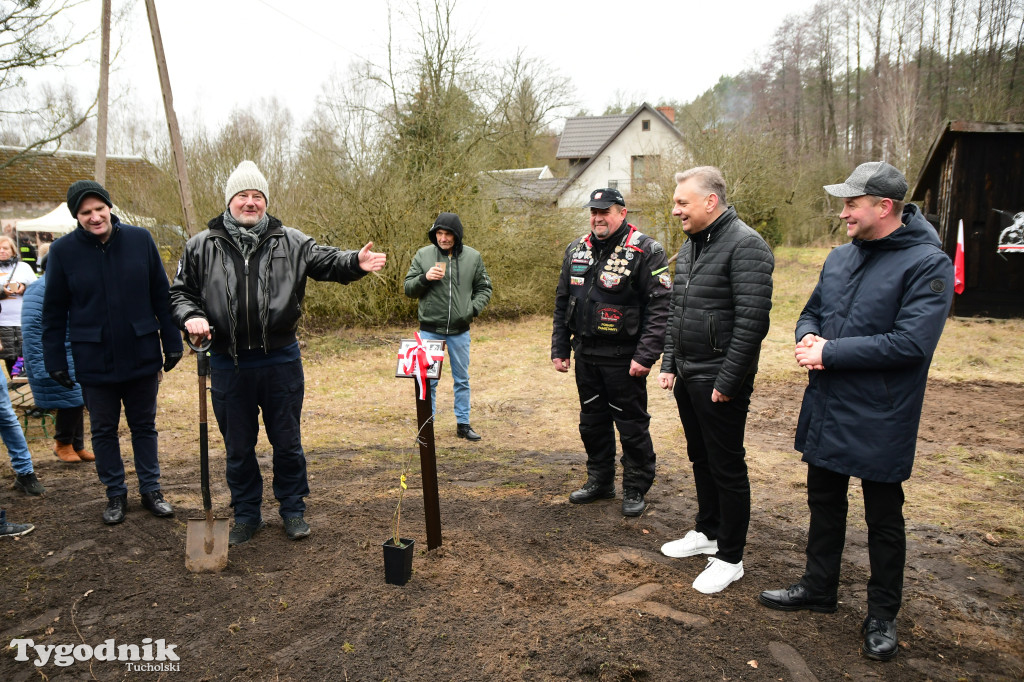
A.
x: 669, y: 113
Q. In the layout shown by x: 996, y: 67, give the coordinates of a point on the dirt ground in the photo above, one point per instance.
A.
x: 525, y: 585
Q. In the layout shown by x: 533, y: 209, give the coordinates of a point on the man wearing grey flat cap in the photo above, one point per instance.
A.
x: 241, y: 283
x: 866, y: 336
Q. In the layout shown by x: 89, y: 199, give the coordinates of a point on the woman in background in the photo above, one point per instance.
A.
x: 15, y: 276
x: 69, y: 442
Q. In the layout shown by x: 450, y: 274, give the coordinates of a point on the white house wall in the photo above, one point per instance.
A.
x: 614, y: 163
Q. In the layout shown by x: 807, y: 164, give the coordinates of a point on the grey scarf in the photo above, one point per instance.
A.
x: 245, y: 238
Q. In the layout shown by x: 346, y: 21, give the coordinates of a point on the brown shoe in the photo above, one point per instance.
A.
x: 85, y: 455
x: 65, y: 452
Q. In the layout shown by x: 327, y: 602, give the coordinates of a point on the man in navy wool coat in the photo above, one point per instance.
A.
x: 867, y: 336
x: 108, y: 292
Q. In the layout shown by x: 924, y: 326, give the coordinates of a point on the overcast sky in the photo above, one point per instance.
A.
x: 227, y: 53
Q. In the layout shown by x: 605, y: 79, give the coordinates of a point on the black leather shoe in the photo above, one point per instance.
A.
x: 879, y: 639
x: 116, y: 508
x: 797, y: 597
x: 156, y: 504
x: 590, y: 492
x: 632, y: 502
x: 466, y: 431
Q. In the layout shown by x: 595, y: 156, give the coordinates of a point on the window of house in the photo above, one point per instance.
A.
x: 645, y: 125
x: 644, y: 169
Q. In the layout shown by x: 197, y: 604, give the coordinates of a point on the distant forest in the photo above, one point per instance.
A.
x: 854, y: 81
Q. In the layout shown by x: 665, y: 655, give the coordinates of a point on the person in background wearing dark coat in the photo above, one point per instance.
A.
x: 107, y: 289
x: 866, y: 335
x: 47, y: 394
x: 721, y: 299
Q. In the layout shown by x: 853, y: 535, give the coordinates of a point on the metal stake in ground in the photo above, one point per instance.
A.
x: 428, y: 467
x: 421, y: 360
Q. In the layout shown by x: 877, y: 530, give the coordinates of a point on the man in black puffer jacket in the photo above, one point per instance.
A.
x: 721, y: 298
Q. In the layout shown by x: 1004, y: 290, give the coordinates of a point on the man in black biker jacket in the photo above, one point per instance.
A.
x: 611, y: 306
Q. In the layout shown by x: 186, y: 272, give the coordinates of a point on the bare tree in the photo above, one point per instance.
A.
x: 530, y: 96
x: 35, y: 35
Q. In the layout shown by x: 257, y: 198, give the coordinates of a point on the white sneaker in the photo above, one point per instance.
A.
x: 691, y: 544
x: 717, y: 576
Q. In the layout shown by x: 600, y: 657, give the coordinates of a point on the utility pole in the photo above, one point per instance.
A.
x: 177, y: 150
x: 101, y: 118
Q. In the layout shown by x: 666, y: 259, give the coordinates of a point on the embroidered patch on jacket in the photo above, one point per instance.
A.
x: 665, y: 280
x: 609, y: 320
x: 576, y: 281
x: 938, y: 286
x: 610, y: 279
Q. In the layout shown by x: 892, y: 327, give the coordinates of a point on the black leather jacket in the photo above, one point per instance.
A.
x: 216, y: 283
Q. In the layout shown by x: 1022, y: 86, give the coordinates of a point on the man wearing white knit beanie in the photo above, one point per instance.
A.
x: 240, y: 283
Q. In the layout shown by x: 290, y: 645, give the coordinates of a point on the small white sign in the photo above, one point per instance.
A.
x: 406, y: 360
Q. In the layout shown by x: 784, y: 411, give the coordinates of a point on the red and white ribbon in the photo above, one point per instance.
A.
x: 415, y: 362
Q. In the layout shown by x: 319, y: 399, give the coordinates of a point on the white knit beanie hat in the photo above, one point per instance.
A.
x: 246, y: 176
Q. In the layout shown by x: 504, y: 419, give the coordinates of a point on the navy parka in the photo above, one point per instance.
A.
x: 882, y: 305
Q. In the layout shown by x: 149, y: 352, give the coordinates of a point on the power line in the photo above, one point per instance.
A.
x: 308, y: 28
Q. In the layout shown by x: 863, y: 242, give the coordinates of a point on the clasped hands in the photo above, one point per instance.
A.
x: 808, y: 351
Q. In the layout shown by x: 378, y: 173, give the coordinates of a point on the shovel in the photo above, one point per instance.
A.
x: 206, y: 543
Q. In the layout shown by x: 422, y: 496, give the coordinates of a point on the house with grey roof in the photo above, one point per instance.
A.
x: 514, y: 189
x: 623, y: 151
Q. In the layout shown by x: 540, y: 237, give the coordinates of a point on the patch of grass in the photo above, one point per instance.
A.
x: 975, y: 490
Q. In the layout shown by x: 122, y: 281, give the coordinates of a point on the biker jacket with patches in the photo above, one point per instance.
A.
x: 612, y: 299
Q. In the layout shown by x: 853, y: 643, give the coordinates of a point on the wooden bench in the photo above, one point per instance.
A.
x: 21, y: 399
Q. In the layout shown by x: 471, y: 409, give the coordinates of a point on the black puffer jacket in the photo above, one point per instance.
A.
x: 720, y: 304
x: 215, y: 283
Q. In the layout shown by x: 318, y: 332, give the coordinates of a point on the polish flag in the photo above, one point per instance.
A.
x: 958, y: 261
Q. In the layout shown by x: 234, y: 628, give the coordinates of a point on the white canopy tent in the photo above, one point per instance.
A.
x: 57, y: 221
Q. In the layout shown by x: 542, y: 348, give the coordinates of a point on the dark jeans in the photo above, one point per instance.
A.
x: 139, y: 399
x: 608, y: 395
x: 887, y: 538
x: 714, y: 445
x: 238, y: 397
x: 69, y: 427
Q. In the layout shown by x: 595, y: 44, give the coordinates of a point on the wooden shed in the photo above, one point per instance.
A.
x: 975, y: 172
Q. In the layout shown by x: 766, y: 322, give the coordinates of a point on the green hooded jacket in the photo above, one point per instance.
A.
x: 448, y: 306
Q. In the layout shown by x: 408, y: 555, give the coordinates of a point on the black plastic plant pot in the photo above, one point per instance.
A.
x: 398, y: 561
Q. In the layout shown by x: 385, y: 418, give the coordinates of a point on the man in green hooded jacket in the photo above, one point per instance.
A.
x: 451, y: 282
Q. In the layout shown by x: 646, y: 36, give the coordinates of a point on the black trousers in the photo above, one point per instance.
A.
x: 238, y: 397
x: 714, y: 445
x: 139, y: 399
x: 609, y: 395
x: 887, y: 538
x: 70, y: 427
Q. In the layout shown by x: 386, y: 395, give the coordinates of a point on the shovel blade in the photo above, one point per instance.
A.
x: 206, y: 545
